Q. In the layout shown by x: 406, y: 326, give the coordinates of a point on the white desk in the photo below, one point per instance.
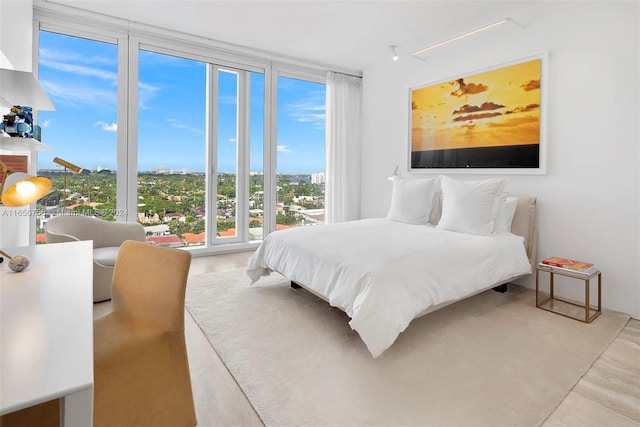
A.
x: 46, y: 331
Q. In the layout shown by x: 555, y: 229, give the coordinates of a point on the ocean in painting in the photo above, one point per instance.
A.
x: 513, y: 156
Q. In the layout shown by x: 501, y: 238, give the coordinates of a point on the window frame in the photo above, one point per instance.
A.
x: 130, y: 38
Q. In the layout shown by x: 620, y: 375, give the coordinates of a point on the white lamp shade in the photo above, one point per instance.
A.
x: 22, y: 189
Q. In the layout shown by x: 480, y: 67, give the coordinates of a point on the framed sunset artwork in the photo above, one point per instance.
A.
x: 488, y: 121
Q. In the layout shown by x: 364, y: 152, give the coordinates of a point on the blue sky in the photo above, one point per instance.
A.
x: 80, y: 77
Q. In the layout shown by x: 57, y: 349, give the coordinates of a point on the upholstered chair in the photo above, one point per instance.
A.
x: 141, y: 371
x: 107, y: 237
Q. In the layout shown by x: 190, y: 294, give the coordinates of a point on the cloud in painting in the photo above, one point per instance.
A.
x: 476, y: 117
x: 485, y: 106
x: 524, y: 109
x: 467, y: 88
x: 513, y: 122
x: 531, y: 85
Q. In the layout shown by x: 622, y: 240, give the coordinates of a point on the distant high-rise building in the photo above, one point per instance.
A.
x: 317, y: 178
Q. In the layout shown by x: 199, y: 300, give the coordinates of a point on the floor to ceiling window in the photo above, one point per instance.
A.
x: 171, y: 149
x: 226, y: 142
x: 300, y: 152
x: 81, y: 78
x: 256, y: 156
x: 181, y: 199
x: 238, y: 153
x: 210, y: 170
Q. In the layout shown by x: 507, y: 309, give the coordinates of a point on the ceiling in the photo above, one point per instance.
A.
x: 346, y: 35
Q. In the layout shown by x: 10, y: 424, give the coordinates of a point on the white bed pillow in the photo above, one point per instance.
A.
x: 504, y: 217
x: 412, y: 199
x: 436, y: 208
x: 470, y: 206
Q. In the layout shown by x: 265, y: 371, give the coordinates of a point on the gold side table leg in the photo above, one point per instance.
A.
x: 537, y: 288
x: 587, y: 304
x: 600, y: 292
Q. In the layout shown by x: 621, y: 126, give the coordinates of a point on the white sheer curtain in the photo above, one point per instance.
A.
x: 343, y: 145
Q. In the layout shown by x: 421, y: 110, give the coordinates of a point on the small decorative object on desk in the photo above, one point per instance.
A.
x: 17, y: 263
x: 569, y: 265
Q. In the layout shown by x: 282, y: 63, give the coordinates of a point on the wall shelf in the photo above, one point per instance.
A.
x: 22, y: 144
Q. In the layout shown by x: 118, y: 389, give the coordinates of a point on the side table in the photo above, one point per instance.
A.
x: 551, y: 303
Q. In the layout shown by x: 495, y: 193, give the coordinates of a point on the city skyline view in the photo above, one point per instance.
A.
x: 80, y: 77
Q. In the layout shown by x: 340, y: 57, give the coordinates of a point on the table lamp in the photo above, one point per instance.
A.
x: 21, y: 189
x: 66, y: 165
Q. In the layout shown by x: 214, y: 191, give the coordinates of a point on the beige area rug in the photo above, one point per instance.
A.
x: 491, y: 360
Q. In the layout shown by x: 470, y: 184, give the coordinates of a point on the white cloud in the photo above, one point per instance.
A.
x: 146, y: 92
x: 284, y: 149
x: 109, y: 127
x: 80, y: 79
x: 72, y: 94
x: 310, y: 118
x: 311, y: 111
x: 81, y: 70
x: 228, y: 99
x: 159, y: 58
x: 45, y: 124
x: 75, y: 57
x: 177, y: 124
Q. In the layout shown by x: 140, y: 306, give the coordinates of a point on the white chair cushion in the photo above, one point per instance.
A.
x: 106, y: 256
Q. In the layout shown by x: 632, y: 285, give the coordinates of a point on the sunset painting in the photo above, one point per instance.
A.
x: 486, y: 120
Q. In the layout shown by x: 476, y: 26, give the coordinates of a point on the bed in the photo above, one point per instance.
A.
x: 443, y: 240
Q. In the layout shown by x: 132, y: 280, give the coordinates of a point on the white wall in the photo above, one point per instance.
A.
x: 16, y: 48
x: 588, y: 201
x: 16, y: 34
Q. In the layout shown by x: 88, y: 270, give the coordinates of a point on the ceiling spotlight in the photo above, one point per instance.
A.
x: 394, y: 54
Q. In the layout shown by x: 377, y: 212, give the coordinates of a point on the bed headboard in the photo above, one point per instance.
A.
x: 524, y: 225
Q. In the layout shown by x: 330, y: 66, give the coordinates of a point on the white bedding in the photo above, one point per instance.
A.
x: 384, y: 273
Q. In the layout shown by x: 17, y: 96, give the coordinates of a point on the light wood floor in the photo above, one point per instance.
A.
x: 607, y: 395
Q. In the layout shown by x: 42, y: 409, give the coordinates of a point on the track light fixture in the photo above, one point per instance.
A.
x: 394, y: 53
x: 461, y: 36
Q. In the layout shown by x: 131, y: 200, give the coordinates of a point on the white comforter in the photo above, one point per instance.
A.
x: 384, y: 273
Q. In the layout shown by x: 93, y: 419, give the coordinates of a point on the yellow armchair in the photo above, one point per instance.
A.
x: 141, y: 370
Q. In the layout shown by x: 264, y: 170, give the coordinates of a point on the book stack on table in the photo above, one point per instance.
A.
x: 568, y: 265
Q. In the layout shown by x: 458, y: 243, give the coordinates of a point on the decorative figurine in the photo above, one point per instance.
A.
x: 19, y: 123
